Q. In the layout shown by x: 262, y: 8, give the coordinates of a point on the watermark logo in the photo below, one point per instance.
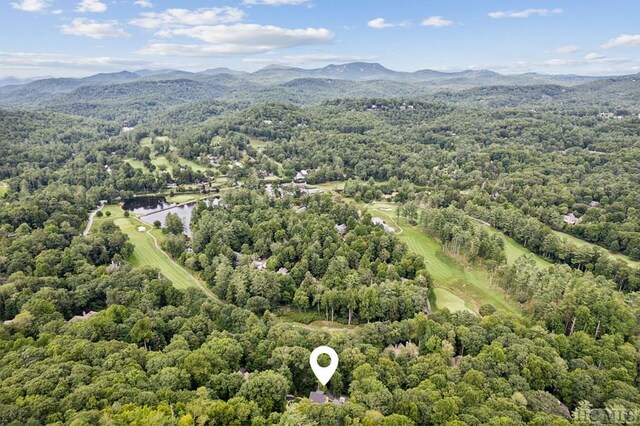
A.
x: 606, y: 416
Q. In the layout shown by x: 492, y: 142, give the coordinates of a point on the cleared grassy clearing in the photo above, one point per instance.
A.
x: 146, y: 253
x: 136, y: 164
x: 514, y: 250
x: 471, y: 285
x: 259, y: 146
x: 615, y: 256
x: 447, y: 299
x: 162, y: 161
x: 331, y: 186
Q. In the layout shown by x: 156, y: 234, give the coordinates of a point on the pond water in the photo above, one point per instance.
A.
x: 150, y: 209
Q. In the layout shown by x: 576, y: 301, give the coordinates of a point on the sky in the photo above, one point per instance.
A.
x: 72, y: 38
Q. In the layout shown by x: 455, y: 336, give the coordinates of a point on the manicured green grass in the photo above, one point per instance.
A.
x: 185, y: 198
x: 136, y: 164
x: 514, y: 250
x: 331, y: 186
x: 145, y: 252
x: 470, y: 284
x: 447, y: 299
x: 259, y: 146
x: 161, y: 161
x: 615, y: 256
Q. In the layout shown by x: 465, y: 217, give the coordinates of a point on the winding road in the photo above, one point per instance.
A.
x: 92, y: 216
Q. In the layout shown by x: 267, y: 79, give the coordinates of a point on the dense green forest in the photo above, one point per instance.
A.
x: 299, y: 236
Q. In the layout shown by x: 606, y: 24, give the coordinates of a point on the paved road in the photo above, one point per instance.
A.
x: 91, y: 217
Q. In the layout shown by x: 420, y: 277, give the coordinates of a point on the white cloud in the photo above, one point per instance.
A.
x: 437, y: 21
x: 30, y: 5
x: 524, y: 13
x: 381, y: 23
x: 594, y: 57
x: 623, y: 40
x: 252, y: 34
x: 312, y: 57
x: 200, y: 50
x: 184, y: 17
x: 94, y: 29
x: 276, y: 2
x: 143, y: 3
x: 27, y: 60
x: 236, y: 40
x: 567, y: 49
x: 589, y: 59
x: 91, y: 6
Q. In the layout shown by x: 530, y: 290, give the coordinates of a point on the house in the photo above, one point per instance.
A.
x: 259, y: 264
x: 301, y: 176
x: 388, y: 229
x: 396, y: 349
x: 244, y: 373
x: 606, y: 115
x: 113, y: 266
x: 283, y: 271
x: 594, y: 203
x: 341, y: 229
x: 84, y: 316
x: 318, y: 397
x: 571, y: 219
x: 340, y: 401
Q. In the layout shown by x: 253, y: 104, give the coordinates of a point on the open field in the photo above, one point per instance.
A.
x: 454, y: 283
x: 447, y: 299
x: 146, y: 253
x: 615, y: 256
x: 136, y: 164
x: 514, y: 249
x: 260, y: 145
x: 161, y: 161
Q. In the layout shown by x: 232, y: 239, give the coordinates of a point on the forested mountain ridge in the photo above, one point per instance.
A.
x: 306, y: 198
x: 127, y: 96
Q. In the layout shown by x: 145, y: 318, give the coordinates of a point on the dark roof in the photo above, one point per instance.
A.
x: 319, y: 397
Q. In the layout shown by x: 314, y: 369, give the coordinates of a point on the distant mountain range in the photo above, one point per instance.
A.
x: 355, y: 71
x: 146, y: 92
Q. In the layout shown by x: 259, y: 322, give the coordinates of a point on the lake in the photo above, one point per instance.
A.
x: 150, y: 209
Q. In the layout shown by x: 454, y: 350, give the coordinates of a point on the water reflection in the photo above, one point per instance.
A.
x: 150, y: 209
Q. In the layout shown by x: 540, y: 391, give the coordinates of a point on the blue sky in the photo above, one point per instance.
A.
x: 82, y: 37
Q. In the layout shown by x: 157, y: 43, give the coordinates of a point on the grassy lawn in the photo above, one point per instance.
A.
x: 449, y: 300
x: 615, y: 256
x: 457, y: 287
x: 136, y: 164
x: 514, y: 250
x: 187, y: 198
x: 331, y: 186
x: 259, y: 146
x: 145, y: 252
x: 162, y: 161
